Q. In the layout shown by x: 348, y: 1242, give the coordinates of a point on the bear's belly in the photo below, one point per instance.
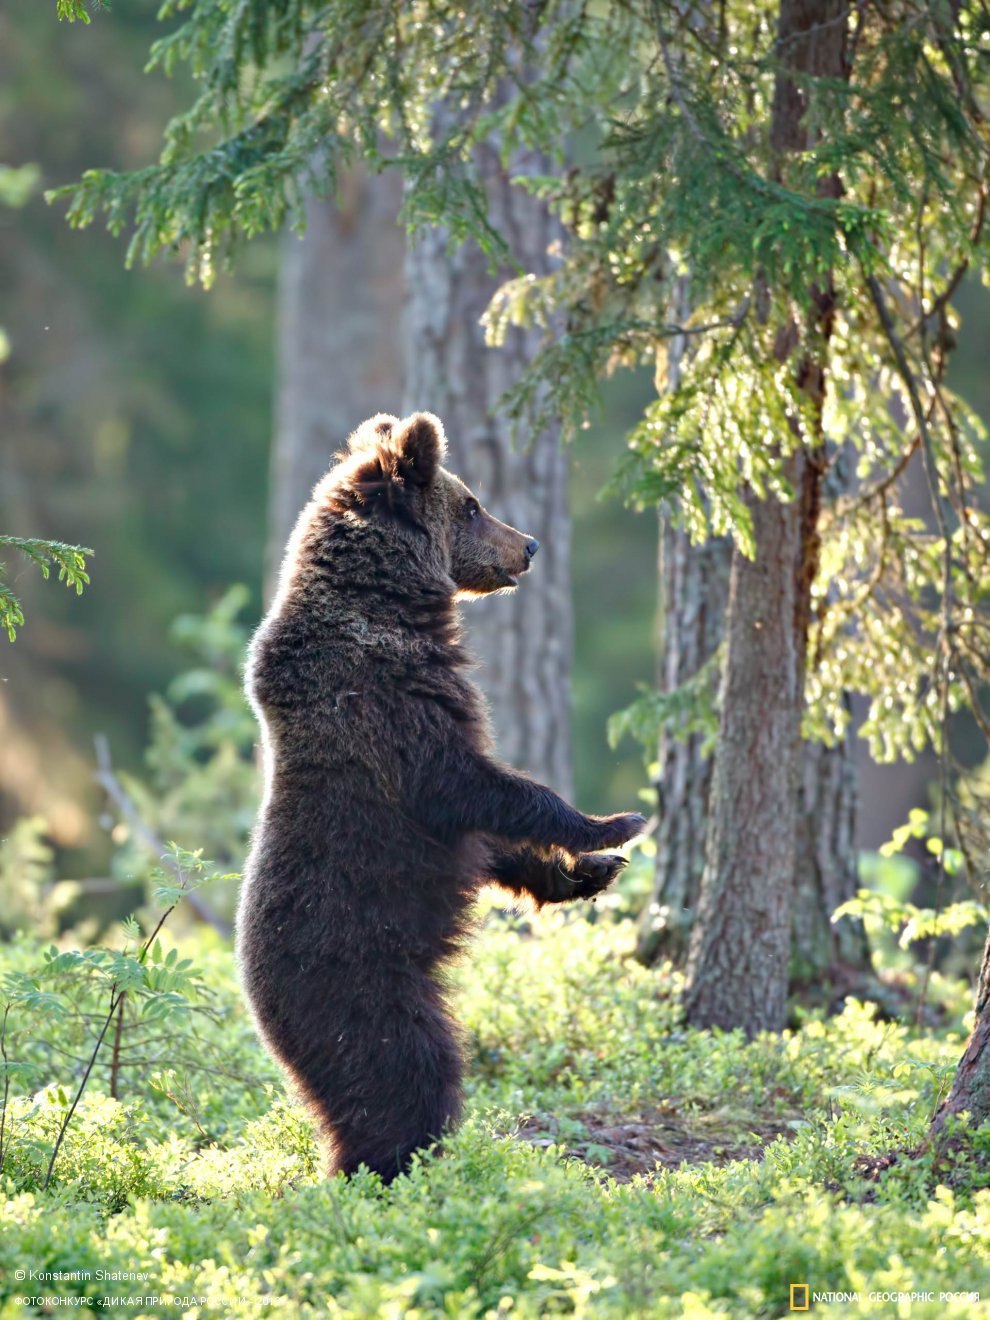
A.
x: 313, y: 918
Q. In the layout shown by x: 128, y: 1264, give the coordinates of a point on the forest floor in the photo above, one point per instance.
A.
x: 611, y: 1162
x: 639, y: 1144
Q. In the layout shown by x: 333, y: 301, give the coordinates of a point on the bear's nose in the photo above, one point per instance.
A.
x: 532, y: 548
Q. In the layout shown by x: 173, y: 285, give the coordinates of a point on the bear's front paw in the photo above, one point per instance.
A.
x: 593, y: 872
x: 614, y: 831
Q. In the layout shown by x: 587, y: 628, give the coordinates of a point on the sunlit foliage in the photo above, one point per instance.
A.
x: 69, y: 560
x: 204, y: 1176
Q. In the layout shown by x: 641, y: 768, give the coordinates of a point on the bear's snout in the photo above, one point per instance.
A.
x: 488, y: 555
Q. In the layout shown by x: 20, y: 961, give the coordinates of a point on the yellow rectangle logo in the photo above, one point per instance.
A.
x: 800, y: 1299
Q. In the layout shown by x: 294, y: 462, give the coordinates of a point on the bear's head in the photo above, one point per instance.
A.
x: 393, y: 470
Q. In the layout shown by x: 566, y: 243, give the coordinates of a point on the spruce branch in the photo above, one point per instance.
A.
x: 70, y: 560
x: 75, y: 10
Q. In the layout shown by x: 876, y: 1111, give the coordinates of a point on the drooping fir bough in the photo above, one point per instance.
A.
x: 818, y: 174
x: 70, y: 560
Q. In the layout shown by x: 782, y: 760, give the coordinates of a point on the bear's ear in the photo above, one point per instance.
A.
x: 370, y: 434
x: 418, y: 445
x: 390, y: 462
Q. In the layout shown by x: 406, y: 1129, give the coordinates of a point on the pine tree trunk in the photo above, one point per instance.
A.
x: 738, y: 961
x: 523, y: 640
x: 693, y: 597
x: 826, y: 873
x: 740, y: 942
x: 971, y: 1086
x: 694, y: 587
x: 693, y: 593
x: 340, y: 296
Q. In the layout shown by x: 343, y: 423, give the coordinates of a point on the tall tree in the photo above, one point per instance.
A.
x: 821, y: 171
x: 693, y: 589
x: 358, y: 312
x: 523, y: 640
x: 340, y: 299
x: 738, y: 963
x: 692, y: 604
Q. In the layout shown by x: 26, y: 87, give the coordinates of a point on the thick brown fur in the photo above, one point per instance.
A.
x: 384, y: 811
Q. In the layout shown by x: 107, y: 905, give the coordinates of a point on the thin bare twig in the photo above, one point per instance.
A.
x: 850, y: 504
x: 911, y: 385
x: 955, y: 279
x: 113, y: 788
x: 115, y: 998
x: 115, y: 1057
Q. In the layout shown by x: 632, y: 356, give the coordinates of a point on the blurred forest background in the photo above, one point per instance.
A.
x: 136, y: 417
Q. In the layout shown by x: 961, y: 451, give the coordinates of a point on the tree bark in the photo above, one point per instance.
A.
x: 340, y: 297
x: 523, y: 640
x: 693, y: 598
x: 694, y: 589
x: 971, y: 1086
x: 738, y: 961
x: 694, y: 586
x: 826, y: 871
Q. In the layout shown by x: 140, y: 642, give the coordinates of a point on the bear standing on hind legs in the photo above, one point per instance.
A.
x: 384, y: 810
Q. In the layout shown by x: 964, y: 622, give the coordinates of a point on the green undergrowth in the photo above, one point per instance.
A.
x: 611, y: 1163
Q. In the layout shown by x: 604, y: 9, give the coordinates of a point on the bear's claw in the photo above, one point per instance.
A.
x: 593, y: 872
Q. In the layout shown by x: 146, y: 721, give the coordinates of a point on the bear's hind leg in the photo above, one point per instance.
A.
x: 406, y: 1094
x: 382, y: 1077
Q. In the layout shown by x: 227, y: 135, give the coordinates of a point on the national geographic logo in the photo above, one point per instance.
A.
x: 802, y: 1297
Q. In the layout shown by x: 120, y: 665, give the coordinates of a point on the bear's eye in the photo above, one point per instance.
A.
x: 472, y: 509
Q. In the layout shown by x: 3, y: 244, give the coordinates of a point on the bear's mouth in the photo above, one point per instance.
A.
x: 510, y: 579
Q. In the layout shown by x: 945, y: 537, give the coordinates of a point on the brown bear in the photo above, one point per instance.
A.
x: 384, y: 810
